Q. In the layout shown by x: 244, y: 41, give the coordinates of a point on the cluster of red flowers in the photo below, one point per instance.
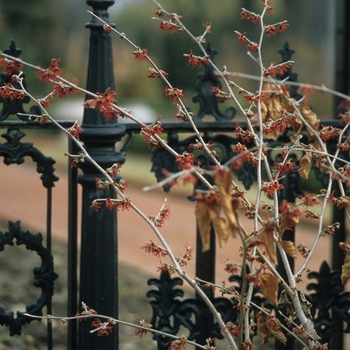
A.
x: 150, y: 131
x: 153, y: 73
x: 114, y: 169
x: 234, y: 329
x: 200, y: 147
x: 244, y: 156
x: 103, y: 328
x: 10, y: 66
x: 329, y: 132
x: 185, y: 160
x: 54, y: 71
x: 170, y: 26
x: 65, y: 90
x: 104, y: 103
x: 178, y: 344
x: 277, y: 69
x: 244, y: 135
x: 112, y: 204
x: 303, y: 250
x: 140, y: 54
x: 75, y: 130
x: 242, y: 39
x: 8, y: 91
x: 173, y: 93
x: 163, y: 215
x: 289, y: 210
x: 231, y: 268
x: 250, y: 16
x: 154, y: 249
x: 270, y: 188
x: 221, y: 95
x: 140, y: 332
x: 197, y: 61
x: 279, y: 125
x: 118, y: 204
x: 272, y: 29
x: 283, y: 168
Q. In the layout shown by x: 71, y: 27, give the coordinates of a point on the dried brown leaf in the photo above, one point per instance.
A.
x: 267, y: 237
x: 279, y: 335
x: 203, y: 222
x: 289, y: 248
x: 311, y: 118
x: 287, y: 221
x: 220, y: 225
x: 263, y: 331
x: 305, y: 165
x: 223, y: 179
x: 92, y: 103
x: 269, y: 286
x: 345, y: 269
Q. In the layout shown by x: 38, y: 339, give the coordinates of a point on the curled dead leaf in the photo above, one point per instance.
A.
x: 289, y: 248
x: 263, y: 331
x: 203, y: 222
x: 345, y: 269
x: 269, y: 286
x: 267, y: 326
x: 305, y: 165
x: 267, y: 237
x: 311, y: 118
x: 287, y: 221
x: 221, y: 214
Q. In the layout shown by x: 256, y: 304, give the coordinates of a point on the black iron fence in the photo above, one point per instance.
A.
x: 98, y: 275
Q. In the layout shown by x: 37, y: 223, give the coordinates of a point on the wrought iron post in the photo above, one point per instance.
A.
x: 99, y: 265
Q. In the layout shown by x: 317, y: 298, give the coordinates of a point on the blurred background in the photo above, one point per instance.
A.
x: 50, y: 28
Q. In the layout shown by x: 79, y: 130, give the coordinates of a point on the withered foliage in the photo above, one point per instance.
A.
x: 345, y: 269
x: 267, y: 326
x: 282, y: 111
x: 269, y: 286
x: 221, y: 214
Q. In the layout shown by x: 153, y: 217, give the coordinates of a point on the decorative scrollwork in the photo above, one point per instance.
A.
x: 170, y: 313
x: 208, y: 102
x: 44, y: 276
x: 14, y: 152
x: 329, y: 302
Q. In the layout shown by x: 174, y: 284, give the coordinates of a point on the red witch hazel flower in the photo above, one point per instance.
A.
x: 103, y: 328
x: 272, y: 29
x: 10, y: 67
x: 173, y: 93
x: 7, y: 91
x: 104, y: 103
x: 140, y: 54
x: 150, y: 131
x: 185, y: 160
x: 154, y: 249
x: 54, y: 71
x: 250, y: 16
x: 221, y: 95
x: 153, y: 73
x: 163, y: 215
x: 197, y: 61
x: 75, y: 130
x: 63, y: 90
x: 140, y: 332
